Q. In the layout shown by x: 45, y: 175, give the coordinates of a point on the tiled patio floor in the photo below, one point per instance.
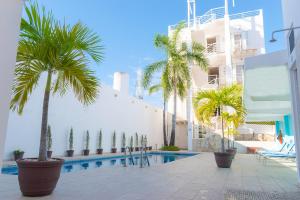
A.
x: 194, y: 178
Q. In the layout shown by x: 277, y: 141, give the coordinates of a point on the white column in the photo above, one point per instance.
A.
x: 228, y: 69
x: 190, y: 113
x: 10, y: 15
x: 294, y: 75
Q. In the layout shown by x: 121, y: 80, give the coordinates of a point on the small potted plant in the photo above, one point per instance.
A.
x: 86, y: 151
x: 70, y: 151
x: 123, y: 143
x: 113, y: 148
x: 100, y: 150
x: 136, y: 142
x: 18, y: 154
x: 131, y: 143
x: 49, y: 142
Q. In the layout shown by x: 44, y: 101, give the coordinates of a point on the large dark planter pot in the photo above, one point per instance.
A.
x: 232, y: 151
x: 86, y: 152
x: 18, y: 156
x: 137, y: 148
x: 70, y: 153
x: 223, y: 159
x: 150, y: 148
x: 113, y: 150
x: 123, y: 149
x: 131, y: 149
x: 38, y: 178
x: 99, y: 151
x: 49, y: 154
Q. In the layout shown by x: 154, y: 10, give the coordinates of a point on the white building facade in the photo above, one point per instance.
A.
x: 228, y: 39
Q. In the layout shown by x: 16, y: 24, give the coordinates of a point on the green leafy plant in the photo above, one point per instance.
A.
x: 100, y: 140
x: 136, y: 140
x: 175, y: 73
x: 170, y: 148
x: 71, y: 139
x: 114, y: 140
x: 123, y: 142
x: 131, y: 141
x: 49, y: 138
x: 87, y: 140
x: 207, y: 102
x: 18, y: 151
x: 60, y: 51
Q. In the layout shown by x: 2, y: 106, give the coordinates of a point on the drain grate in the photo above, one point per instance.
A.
x: 255, y: 195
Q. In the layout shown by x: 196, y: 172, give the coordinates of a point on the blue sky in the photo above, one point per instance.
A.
x: 127, y: 27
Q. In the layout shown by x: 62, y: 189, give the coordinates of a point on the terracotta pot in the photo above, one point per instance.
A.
x: 223, y: 159
x: 18, y: 156
x: 232, y: 151
x: 99, y: 151
x: 123, y: 149
x: 137, y: 148
x: 86, y: 152
x: 49, y: 154
x: 251, y: 150
x: 70, y: 153
x: 113, y: 150
x: 38, y: 178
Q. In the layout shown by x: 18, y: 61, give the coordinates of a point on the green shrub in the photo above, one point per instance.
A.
x: 170, y: 148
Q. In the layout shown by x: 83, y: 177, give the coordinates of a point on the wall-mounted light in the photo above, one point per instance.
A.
x: 273, y: 39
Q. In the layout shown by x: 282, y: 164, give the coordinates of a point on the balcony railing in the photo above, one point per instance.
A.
x: 218, y: 13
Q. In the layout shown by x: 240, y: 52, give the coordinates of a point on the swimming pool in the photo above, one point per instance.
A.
x: 155, y: 158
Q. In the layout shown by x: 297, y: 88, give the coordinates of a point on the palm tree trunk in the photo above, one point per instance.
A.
x: 164, y: 124
x: 43, y: 139
x: 228, y: 142
x: 223, y: 135
x: 172, y: 140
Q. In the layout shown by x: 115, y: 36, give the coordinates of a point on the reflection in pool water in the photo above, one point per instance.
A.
x: 77, y: 165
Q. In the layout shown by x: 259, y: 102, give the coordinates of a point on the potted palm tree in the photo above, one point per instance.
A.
x: 123, y: 143
x: 100, y: 150
x: 225, y: 99
x: 175, y: 73
x: 18, y: 154
x: 113, y: 146
x: 70, y: 151
x: 60, y: 53
x: 136, y: 142
x: 131, y: 143
x: 49, y: 142
x: 86, y: 151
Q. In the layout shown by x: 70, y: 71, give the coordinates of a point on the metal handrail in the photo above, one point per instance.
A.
x: 130, y: 155
x: 218, y: 13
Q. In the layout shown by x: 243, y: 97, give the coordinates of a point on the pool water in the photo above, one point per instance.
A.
x: 114, y: 161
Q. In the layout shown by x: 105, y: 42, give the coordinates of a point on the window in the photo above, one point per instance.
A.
x: 292, y: 40
x: 211, y: 45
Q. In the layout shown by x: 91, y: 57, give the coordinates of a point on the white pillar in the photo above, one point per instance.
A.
x: 228, y: 68
x: 10, y: 15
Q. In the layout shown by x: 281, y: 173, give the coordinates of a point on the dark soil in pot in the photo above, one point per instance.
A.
x: 38, y: 178
x: 18, y: 156
x: 223, y: 159
x: 70, y: 153
x: 113, y: 150
x: 86, y: 152
x: 99, y: 151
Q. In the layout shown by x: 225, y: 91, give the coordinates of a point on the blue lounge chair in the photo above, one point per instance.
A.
x: 280, y: 152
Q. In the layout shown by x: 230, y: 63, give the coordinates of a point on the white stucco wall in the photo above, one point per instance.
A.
x: 291, y: 14
x: 112, y: 111
x: 10, y: 15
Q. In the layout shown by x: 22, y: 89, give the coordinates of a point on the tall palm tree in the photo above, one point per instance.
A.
x: 61, y: 52
x: 166, y: 94
x: 223, y: 100
x: 175, y: 72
